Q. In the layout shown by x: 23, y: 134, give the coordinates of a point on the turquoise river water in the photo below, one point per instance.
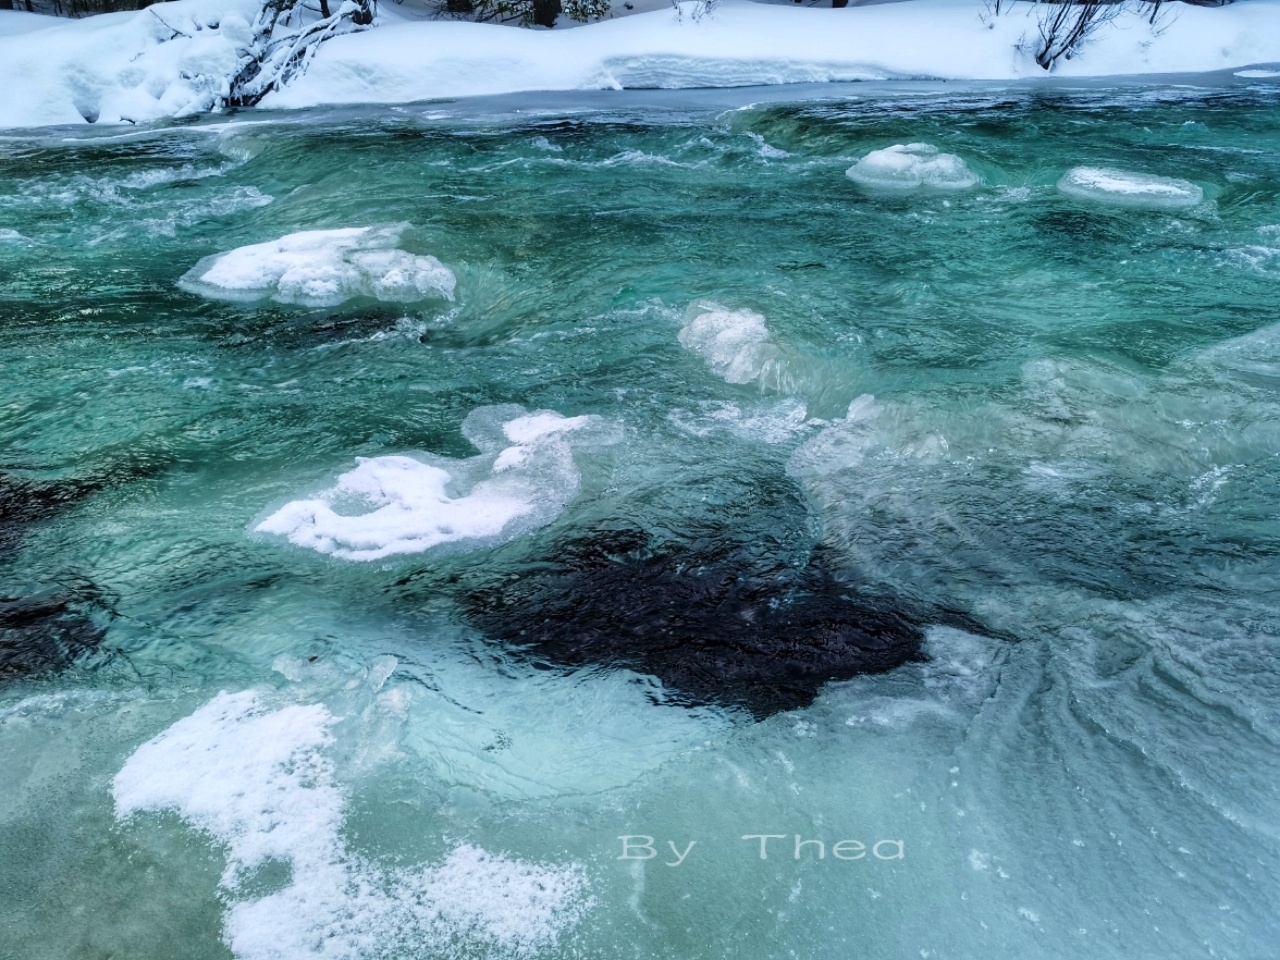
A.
x: 261, y: 698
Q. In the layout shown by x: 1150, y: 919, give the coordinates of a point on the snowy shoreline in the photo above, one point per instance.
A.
x: 174, y: 60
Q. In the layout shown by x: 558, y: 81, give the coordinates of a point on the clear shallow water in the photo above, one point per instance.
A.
x: 1073, y: 443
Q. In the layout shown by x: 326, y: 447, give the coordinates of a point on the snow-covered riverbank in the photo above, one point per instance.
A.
x: 175, y: 59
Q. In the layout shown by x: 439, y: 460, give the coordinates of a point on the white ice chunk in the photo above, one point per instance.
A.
x: 323, y: 268
x: 259, y: 782
x: 1129, y: 189
x: 395, y: 505
x: 912, y: 166
x: 735, y: 343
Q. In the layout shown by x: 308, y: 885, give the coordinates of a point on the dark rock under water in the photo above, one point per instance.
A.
x: 24, y: 502
x: 43, y: 633
x: 714, y: 625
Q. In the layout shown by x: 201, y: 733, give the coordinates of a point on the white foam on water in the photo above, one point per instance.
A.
x: 259, y: 781
x: 1120, y: 187
x: 1257, y: 74
x: 912, y: 166
x: 394, y: 505
x: 775, y: 423
x: 323, y: 268
x: 735, y: 343
x: 1264, y: 260
x: 11, y: 236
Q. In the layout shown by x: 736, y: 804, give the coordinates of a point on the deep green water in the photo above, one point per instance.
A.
x: 1074, y: 441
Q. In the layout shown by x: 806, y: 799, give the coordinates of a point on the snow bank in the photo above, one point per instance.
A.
x: 322, y: 268
x: 745, y: 43
x: 1129, y: 189
x: 735, y: 343
x: 523, y: 479
x: 911, y: 166
x: 260, y: 782
x: 173, y: 59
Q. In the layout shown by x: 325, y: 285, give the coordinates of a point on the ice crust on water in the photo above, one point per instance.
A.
x: 259, y: 781
x: 523, y: 479
x: 323, y: 268
x: 735, y: 343
x: 1129, y: 189
x: 912, y: 166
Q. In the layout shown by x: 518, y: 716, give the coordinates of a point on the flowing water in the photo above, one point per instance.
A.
x: 1035, y: 417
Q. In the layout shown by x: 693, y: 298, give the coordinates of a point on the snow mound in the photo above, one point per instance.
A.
x: 322, y: 268
x: 912, y: 166
x: 1129, y: 189
x: 388, y: 506
x: 173, y: 61
x: 259, y: 781
x: 735, y: 343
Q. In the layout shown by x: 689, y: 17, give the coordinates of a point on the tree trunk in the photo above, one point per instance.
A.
x: 324, y: 9
x: 837, y: 4
x: 545, y: 12
x: 6, y: 4
x: 460, y: 6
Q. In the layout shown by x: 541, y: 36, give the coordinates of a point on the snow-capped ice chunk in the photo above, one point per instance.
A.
x: 260, y: 782
x: 395, y: 505
x: 912, y: 166
x: 735, y: 343
x: 1129, y: 189
x: 323, y: 268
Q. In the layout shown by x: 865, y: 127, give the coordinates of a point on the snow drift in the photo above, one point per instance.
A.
x: 176, y: 59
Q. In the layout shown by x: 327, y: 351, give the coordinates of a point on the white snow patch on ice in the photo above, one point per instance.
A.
x: 393, y: 505
x: 323, y: 268
x: 1257, y: 74
x: 259, y: 781
x: 912, y: 166
x: 1120, y: 187
x: 735, y: 343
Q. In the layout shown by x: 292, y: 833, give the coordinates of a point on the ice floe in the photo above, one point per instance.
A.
x: 259, y: 780
x: 1123, y: 188
x: 735, y: 343
x: 323, y: 268
x: 392, y: 505
x: 912, y: 166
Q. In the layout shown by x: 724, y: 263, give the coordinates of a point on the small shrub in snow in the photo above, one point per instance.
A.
x: 527, y: 13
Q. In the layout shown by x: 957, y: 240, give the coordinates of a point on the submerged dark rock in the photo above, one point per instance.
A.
x: 24, y: 502
x: 714, y: 625
x: 44, y: 633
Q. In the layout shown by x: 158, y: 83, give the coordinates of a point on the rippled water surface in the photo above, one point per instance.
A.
x: 1038, y: 429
